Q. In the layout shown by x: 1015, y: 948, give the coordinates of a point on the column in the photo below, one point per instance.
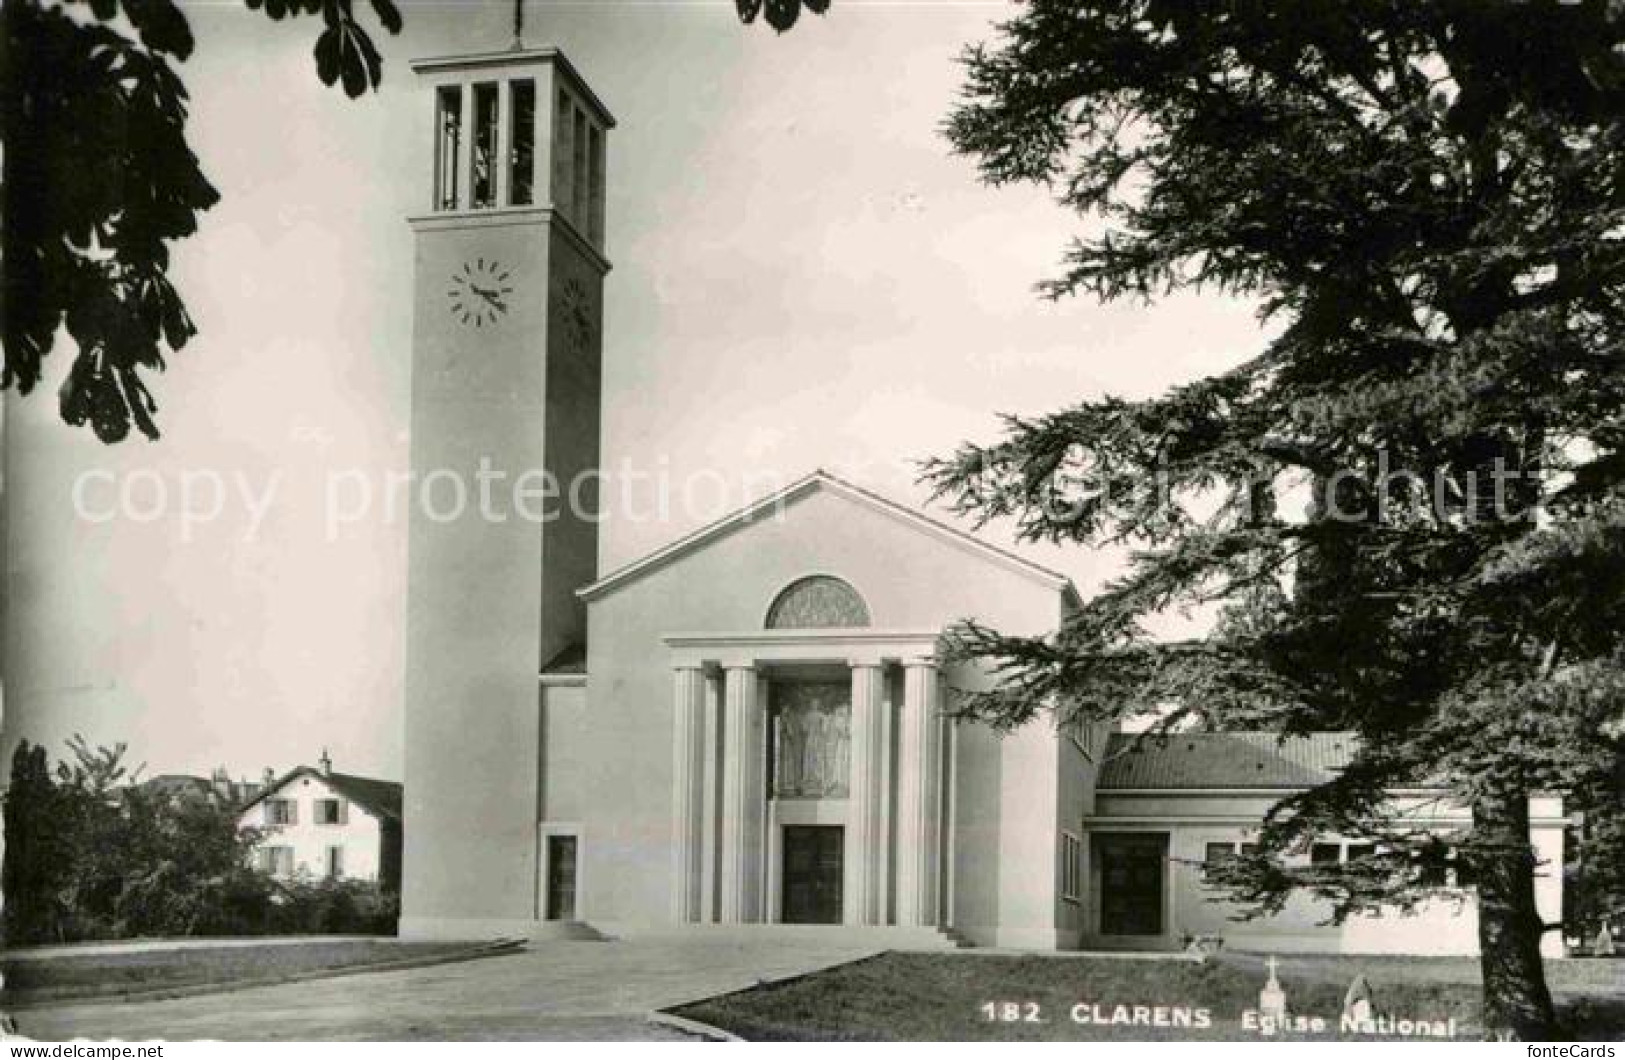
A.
x: 864, y: 831
x: 711, y: 833
x: 919, y: 757
x: 888, y: 798
x: 465, y: 149
x: 688, y: 792
x: 768, y: 846
x: 742, y: 798
x: 502, y: 150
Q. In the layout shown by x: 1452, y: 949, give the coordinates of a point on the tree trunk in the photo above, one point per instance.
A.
x: 1517, y: 1004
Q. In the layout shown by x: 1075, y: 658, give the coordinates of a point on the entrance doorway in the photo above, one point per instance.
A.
x: 1131, y: 882
x: 561, y: 877
x: 813, y: 866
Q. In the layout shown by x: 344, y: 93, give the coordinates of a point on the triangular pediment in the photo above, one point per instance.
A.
x: 783, y: 500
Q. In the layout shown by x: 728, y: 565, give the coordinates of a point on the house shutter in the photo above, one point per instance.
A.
x: 344, y: 811
x: 293, y: 811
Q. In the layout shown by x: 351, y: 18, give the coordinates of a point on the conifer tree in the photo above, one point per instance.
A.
x: 1407, y: 503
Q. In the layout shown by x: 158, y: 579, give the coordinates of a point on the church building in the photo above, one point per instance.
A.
x: 747, y: 728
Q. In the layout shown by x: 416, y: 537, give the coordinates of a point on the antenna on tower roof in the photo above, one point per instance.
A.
x: 518, y: 25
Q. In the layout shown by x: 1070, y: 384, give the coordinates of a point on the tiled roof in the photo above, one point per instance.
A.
x: 382, y: 797
x: 1225, y: 760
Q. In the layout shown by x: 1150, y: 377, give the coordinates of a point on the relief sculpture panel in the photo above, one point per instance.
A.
x: 812, y: 733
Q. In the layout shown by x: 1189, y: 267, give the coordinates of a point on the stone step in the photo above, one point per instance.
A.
x: 879, y: 936
x: 572, y: 930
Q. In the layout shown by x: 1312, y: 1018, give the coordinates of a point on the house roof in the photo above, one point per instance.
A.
x: 381, y: 798
x: 186, y: 785
x: 171, y: 784
x: 1224, y: 760
x: 820, y: 480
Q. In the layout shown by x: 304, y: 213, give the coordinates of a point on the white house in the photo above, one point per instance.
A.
x: 1164, y: 809
x: 744, y: 729
x: 324, y: 824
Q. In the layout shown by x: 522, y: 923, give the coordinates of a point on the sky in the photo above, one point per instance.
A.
x: 804, y: 276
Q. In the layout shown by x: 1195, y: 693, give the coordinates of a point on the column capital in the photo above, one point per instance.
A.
x: 923, y: 662
x: 865, y: 662
x: 738, y: 662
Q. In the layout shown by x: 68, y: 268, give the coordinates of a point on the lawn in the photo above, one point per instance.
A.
x: 35, y: 980
x: 944, y: 997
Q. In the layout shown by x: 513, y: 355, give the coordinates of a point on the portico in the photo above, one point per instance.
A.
x: 790, y: 766
x: 783, y: 736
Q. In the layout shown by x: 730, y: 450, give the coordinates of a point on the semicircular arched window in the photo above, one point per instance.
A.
x: 818, y: 602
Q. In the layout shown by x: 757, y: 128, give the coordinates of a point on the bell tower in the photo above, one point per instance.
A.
x: 507, y: 321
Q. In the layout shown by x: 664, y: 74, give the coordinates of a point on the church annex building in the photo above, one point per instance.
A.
x: 746, y: 728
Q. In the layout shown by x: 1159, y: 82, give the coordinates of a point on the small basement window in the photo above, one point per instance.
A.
x: 1334, y: 853
x: 1325, y: 853
x: 1221, y: 852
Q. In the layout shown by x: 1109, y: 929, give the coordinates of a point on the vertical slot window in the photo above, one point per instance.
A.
x: 522, y: 138
x: 448, y: 141
x: 483, y: 182
x: 578, y: 186
x: 562, y: 154
x: 595, y: 179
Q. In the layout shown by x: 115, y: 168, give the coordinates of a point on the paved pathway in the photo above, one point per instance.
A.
x: 555, y: 990
x: 102, y: 949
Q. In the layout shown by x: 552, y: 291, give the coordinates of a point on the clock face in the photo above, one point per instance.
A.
x: 479, y: 292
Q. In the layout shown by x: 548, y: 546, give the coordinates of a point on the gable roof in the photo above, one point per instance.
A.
x: 381, y: 798
x: 1224, y: 760
x: 821, y: 480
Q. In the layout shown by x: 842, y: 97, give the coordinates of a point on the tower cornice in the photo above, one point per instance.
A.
x: 512, y: 215
x: 530, y: 57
